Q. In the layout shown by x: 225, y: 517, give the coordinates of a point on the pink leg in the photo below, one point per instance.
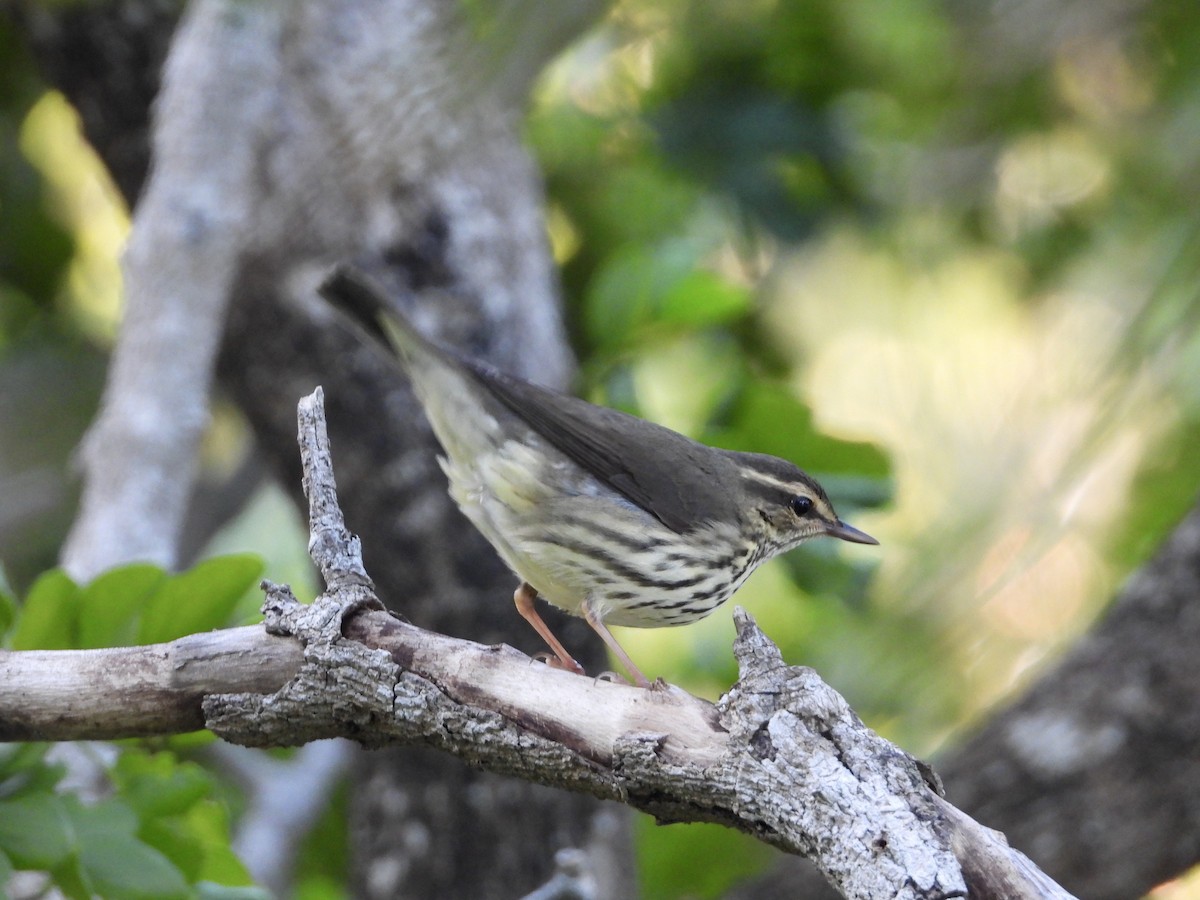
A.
x: 524, y: 598
x: 601, y: 629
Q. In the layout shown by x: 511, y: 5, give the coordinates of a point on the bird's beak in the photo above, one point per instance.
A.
x: 849, y: 533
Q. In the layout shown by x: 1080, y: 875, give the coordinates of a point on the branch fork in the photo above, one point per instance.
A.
x: 781, y: 756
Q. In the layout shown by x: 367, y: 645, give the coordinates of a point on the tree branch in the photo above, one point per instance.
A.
x: 1101, y: 737
x: 66, y: 695
x: 781, y: 756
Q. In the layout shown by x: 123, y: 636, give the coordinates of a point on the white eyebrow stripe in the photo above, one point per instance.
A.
x: 771, y: 481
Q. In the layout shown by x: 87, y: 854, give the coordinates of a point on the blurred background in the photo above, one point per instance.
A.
x: 945, y: 258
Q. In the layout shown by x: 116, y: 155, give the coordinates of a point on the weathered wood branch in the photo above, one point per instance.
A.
x: 66, y: 695
x: 781, y: 756
x: 1108, y: 735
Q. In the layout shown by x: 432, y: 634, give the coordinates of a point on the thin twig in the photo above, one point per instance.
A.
x: 337, y: 552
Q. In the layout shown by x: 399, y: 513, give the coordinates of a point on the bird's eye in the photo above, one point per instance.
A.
x: 800, y: 505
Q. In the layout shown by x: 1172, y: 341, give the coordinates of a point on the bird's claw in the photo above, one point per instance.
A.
x: 554, y: 662
x: 614, y: 678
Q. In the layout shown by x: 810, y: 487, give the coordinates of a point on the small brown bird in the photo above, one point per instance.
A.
x: 602, y: 514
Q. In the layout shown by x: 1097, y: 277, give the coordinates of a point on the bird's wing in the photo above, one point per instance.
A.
x: 681, y: 482
x: 638, y: 459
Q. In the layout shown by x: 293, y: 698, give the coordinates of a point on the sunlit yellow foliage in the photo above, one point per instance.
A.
x: 88, y: 204
x: 1014, y: 427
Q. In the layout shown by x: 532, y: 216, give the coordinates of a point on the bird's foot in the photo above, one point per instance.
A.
x: 555, y: 662
x: 614, y: 678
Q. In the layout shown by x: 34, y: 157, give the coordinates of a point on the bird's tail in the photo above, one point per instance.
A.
x: 444, y: 383
x: 352, y: 293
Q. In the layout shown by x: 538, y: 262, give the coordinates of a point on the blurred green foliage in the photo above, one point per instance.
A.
x: 160, y: 834
x: 34, y: 247
x: 162, y: 828
x: 46, y: 362
x: 694, y: 151
x: 132, y: 604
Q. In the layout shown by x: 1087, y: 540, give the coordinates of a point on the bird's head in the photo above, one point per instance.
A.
x: 785, y: 506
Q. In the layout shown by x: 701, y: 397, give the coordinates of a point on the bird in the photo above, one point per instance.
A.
x: 600, y: 513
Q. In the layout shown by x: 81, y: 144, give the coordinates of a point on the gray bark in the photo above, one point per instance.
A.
x: 781, y: 756
x: 1106, y: 739
x: 135, y: 691
x: 1093, y: 770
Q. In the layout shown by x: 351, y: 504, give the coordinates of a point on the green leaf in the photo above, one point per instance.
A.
x: 175, y: 841
x: 640, y: 287
x: 70, y: 878
x: 15, y: 758
x: 767, y: 418
x: 621, y: 296
x: 48, y: 616
x: 117, y: 864
x: 8, y: 606
x: 319, y: 887
x: 206, y: 890
x: 644, y: 203
x: 40, y: 779
x: 634, y: 287
x: 1162, y: 494
x: 208, y: 823
x: 24, y: 771
x: 158, y: 784
x: 323, y: 857
x: 122, y: 866
x: 198, y: 600
x: 35, y: 831
x: 6, y: 868
x: 178, y: 818
x: 695, y: 860
x: 108, y: 607
x: 819, y: 568
x: 702, y: 299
